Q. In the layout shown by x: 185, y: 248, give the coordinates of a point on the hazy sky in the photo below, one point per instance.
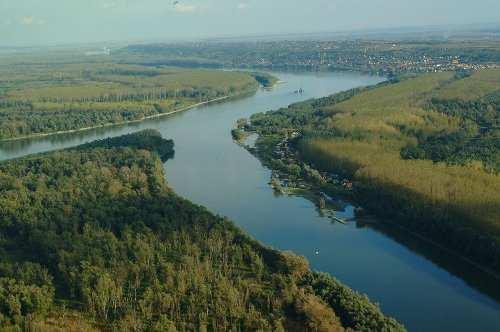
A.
x: 26, y: 22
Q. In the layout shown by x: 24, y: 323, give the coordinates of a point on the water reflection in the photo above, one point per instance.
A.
x: 424, y: 287
x: 475, y: 277
x: 483, y: 281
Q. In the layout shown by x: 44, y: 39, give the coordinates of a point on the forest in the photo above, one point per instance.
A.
x: 422, y: 152
x: 92, y: 238
x: 42, y: 98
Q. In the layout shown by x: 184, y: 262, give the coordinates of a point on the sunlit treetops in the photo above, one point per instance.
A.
x: 424, y: 151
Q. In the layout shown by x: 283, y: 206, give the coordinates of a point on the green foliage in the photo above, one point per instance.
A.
x: 265, y: 79
x: 477, y: 140
x: 95, y: 229
x: 471, y: 87
x: 148, y: 139
x: 417, y: 153
x: 238, y: 134
x: 38, y: 99
x: 25, y: 289
x: 354, y: 310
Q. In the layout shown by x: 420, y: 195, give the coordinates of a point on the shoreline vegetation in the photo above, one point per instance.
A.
x: 37, y: 101
x: 330, y: 198
x: 102, y: 243
x: 125, y: 122
x: 421, y: 152
x: 266, y: 80
x: 326, y: 190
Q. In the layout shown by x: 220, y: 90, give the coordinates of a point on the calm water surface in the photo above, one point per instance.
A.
x: 423, y: 287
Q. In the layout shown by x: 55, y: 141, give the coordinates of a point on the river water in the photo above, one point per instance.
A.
x: 422, y: 286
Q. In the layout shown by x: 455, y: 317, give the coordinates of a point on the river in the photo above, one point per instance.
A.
x: 422, y: 286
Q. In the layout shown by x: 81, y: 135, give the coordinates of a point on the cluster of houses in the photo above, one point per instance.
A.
x: 284, y: 152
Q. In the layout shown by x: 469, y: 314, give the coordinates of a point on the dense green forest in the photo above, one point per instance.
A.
x: 423, y: 151
x: 92, y: 238
x: 41, y: 98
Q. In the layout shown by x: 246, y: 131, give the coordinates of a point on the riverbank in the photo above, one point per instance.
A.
x: 367, y: 138
x: 126, y: 122
x: 322, y: 186
x: 131, y: 215
x: 421, y: 289
x: 101, y: 94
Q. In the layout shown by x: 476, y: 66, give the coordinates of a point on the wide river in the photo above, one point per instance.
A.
x: 422, y: 286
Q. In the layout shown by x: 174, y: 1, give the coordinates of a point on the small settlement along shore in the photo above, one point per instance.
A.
x: 317, y: 186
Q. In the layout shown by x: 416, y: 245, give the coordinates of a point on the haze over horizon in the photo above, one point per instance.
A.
x: 36, y: 22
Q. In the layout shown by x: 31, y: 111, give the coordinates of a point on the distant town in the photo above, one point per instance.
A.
x: 380, y: 57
